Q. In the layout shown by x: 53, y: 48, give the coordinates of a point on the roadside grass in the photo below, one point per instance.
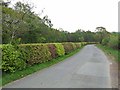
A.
x: 9, y: 77
x: 110, y: 51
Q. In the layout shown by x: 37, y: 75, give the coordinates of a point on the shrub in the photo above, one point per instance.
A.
x: 78, y: 45
x: 60, y: 49
x: 113, y: 42
x: 37, y: 53
x: 105, y: 41
x: 11, y: 59
x: 52, y: 50
x: 74, y: 46
x: 82, y: 43
x: 69, y: 47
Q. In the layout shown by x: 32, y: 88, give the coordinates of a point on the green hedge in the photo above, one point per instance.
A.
x: 78, y: 45
x: 18, y: 58
x: 37, y: 53
x: 60, y: 49
x: 112, y: 41
x: 12, y: 59
x: 69, y: 47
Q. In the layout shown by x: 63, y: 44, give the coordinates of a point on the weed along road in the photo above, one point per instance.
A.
x: 89, y: 68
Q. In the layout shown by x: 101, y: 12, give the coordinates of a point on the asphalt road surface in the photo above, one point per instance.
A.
x: 89, y: 68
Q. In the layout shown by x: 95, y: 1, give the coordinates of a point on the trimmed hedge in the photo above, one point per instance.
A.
x: 60, y: 49
x: 11, y: 59
x: 37, y: 53
x: 18, y: 58
x: 78, y: 45
x: 74, y: 46
x: 69, y: 47
x: 53, y: 50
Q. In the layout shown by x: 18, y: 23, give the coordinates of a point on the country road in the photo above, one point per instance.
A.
x: 89, y: 68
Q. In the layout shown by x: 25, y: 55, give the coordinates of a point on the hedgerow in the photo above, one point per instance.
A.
x: 74, y: 46
x: 69, y: 47
x: 78, y: 45
x: 37, y: 53
x: 11, y: 59
x: 60, y: 49
x: 19, y: 57
x: 113, y: 41
x: 52, y: 50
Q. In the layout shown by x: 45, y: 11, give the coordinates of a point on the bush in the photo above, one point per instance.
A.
x: 78, y: 45
x: 74, y: 46
x: 60, y: 49
x: 113, y: 42
x: 11, y: 59
x: 37, y: 53
x: 52, y: 50
x: 69, y: 47
x: 105, y: 41
x: 83, y: 43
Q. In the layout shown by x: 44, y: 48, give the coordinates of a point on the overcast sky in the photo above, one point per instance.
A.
x: 79, y: 14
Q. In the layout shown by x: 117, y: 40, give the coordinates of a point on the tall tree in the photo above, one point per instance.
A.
x: 101, y: 33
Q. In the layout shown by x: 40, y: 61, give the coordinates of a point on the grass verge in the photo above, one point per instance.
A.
x: 114, y: 57
x: 9, y: 77
x: 110, y: 51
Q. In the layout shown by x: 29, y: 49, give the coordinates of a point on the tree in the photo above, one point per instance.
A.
x: 13, y: 21
x: 47, y: 21
x: 23, y: 9
x: 10, y: 22
x: 5, y: 4
x: 101, y: 33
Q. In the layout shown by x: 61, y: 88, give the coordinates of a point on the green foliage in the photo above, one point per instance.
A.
x: 19, y: 57
x: 60, y: 49
x: 12, y: 24
x: 74, y: 46
x: 37, y: 53
x: 11, y: 59
x: 78, y: 45
x: 83, y: 43
x: 101, y: 33
x: 111, y: 52
x: 113, y: 42
x: 69, y: 47
x: 105, y: 41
